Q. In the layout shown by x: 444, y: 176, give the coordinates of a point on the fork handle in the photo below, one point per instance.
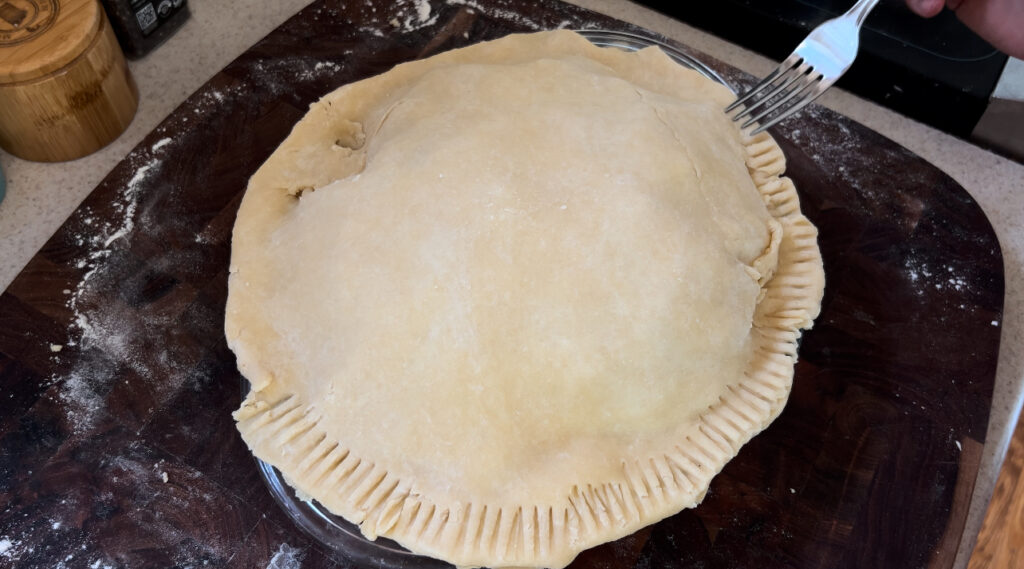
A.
x: 860, y: 10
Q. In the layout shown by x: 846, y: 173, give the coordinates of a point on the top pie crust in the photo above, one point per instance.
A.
x: 517, y: 299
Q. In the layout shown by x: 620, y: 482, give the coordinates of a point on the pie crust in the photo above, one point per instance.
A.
x: 517, y: 299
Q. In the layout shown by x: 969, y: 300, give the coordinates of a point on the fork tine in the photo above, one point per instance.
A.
x: 789, y: 63
x: 810, y: 81
x: 824, y: 56
x: 791, y: 76
x: 819, y: 89
x: 753, y: 90
x: 766, y: 88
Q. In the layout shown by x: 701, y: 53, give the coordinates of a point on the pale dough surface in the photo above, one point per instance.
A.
x: 490, y: 301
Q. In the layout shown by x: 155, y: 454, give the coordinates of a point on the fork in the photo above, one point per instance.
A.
x: 812, y: 68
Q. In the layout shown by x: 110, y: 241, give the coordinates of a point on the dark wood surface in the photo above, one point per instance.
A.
x: 119, y: 449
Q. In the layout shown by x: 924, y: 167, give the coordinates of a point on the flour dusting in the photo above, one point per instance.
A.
x: 407, y: 16
x: 286, y: 557
x: 372, y: 31
x: 128, y: 206
x: 91, y: 326
x: 161, y: 143
x: 423, y: 10
x: 7, y: 548
x: 503, y: 13
x: 924, y: 275
x: 280, y: 75
x: 412, y: 16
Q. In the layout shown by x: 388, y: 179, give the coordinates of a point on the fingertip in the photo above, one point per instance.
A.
x: 926, y: 8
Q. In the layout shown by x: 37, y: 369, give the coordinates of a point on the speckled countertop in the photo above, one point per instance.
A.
x: 41, y: 196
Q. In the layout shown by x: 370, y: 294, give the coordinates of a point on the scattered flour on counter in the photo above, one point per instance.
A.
x: 128, y: 206
x: 502, y: 13
x: 100, y: 239
x: 918, y: 271
x: 423, y: 10
x: 372, y: 31
x: 160, y: 144
x: 279, y: 75
x: 923, y: 275
x: 328, y: 66
x: 867, y: 172
x: 199, y: 107
x: 110, y: 340
x: 405, y: 16
x: 92, y: 327
x: 7, y: 548
x: 286, y: 557
x: 413, y: 16
x: 213, y: 98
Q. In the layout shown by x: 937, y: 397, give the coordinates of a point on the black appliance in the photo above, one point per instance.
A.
x: 934, y: 70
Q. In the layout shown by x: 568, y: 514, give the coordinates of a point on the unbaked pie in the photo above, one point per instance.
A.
x: 517, y: 299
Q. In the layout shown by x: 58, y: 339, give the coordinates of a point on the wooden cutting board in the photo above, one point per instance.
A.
x: 116, y: 442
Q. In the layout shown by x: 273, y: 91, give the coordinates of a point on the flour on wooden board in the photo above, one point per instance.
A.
x: 13, y: 551
x: 923, y: 275
x: 502, y: 13
x: 90, y: 327
x: 413, y: 15
x: 103, y: 333
x: 7, y: 548
x: 286, y: 557
x: 821, y: 137
x: 279, y: 75
x: 161, y: 143
x: 406, y: 16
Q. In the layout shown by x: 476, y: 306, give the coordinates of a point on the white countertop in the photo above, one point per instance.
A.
x: 41, y: 196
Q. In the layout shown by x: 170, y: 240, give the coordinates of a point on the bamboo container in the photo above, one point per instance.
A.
x: 65, y: 90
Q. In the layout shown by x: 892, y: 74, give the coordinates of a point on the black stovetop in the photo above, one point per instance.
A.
x: 936, y: 71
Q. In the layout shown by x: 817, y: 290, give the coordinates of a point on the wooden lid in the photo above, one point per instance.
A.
x: 38, y: 37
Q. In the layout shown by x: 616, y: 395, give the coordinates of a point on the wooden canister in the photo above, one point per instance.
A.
x: 65, y: 90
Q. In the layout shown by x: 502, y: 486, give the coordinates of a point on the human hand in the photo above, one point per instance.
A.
x: 1000, y: 22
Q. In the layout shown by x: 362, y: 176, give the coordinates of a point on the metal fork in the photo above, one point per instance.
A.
x: 813, y: 67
